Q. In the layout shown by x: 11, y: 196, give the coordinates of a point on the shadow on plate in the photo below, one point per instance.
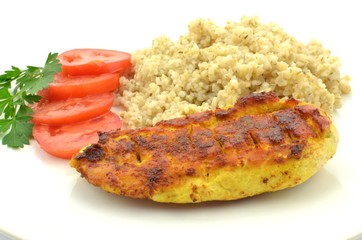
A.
x: 55, y: 164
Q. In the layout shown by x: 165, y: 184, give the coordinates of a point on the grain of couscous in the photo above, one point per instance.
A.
x: 213, y: 66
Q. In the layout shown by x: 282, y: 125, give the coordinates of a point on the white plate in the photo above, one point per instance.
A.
x: 43, y: 198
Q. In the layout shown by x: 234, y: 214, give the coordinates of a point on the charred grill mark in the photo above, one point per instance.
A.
x: 220, y: 160
x: 127, y: 146
x: 174, y: 143
x: 141, y: 141
x: 121, y: 146
x: 296, y: 150
x: 203, y: 143
x: 190, y: 171
x: 175, y: 123
x: 153, y: 176
x: 201, y: 117
x: 287, y: 118
x: 245, y: 123
x: 179, y: 147
x: 202, y: 138
x: 275, y: 135
x: 253, y: 131
x: 257, y: 98
x: 102, y: 137
x: 309, y: 111
x: 123, y: 150
x: 234, y: 134
x: 293, y: 124
x: 267, y: 131
x: 291, y: 102
x: 261, y: 122
x: 92, y: 153
x: 239, y: 140
x: 181, y: 142
x: 189, y: 134
x: 148, y: 143
x: 160, y: 142
x: 224, y: 113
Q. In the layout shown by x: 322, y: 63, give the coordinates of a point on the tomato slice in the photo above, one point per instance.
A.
x: 64, y: 87
x: 45, y: 96
x: 72, y: 110
x: 94, y: 61
x: 65, y: 140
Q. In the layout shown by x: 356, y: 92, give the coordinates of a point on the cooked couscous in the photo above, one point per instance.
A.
x: 213, y: 66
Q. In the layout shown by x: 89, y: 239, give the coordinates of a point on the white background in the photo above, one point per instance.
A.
x: 41, y: 197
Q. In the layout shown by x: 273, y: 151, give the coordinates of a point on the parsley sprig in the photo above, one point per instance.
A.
x: 18, y: 89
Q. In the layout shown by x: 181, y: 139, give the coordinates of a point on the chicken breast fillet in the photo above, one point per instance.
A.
x: 261, y: 144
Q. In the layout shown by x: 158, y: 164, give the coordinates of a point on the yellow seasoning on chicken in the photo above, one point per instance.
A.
x: 261, y: 144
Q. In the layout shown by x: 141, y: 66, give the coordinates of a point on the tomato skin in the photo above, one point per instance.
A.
x: 94, y: 61
x: 71, y: 110
x: 64, y: 87
x: 65, y: 140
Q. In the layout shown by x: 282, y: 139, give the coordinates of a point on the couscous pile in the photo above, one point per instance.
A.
x: 213, y: 66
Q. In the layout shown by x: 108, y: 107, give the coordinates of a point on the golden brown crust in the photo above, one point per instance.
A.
x: 259, y: 130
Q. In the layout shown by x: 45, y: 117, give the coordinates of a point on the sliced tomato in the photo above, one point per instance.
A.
x: 45, y: 96
x: 65, y: 140
x: 94, y: 61
x: 64, y: 87
x: 71, y: 110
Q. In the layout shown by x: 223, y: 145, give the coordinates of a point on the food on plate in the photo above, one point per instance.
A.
x: 66, y: 86
x: 77, y: 104
x: 213, y: 66
x: 70, y: 110
x: 18, y: 89
x: 94, y: 61
x: 261, y: 144
x: 67, y: 139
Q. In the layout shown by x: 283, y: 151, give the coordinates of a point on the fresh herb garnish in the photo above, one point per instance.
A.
x: 18, y: 89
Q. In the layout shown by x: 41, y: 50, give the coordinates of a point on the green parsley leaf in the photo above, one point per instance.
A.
x: 10, y: 74
x: 31, y: 98
x: 5, y: 98
x: 51, y: 67
x: 19, y: 134
x: 5, y: 125
x: 18, y: 88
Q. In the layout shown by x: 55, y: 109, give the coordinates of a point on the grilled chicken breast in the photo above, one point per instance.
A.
x: 261, y: 144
